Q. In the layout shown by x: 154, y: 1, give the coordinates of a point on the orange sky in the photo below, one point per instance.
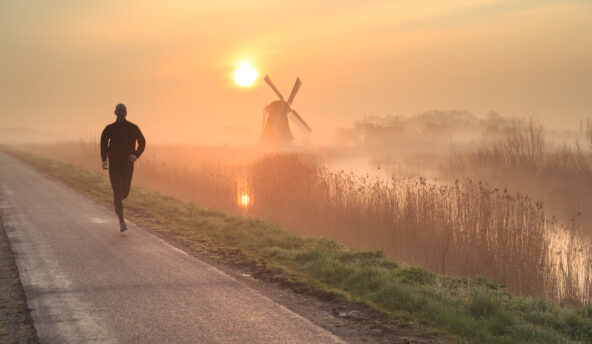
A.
x: 65, y: 64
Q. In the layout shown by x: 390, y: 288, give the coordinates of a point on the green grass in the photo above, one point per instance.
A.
x: 479, y: 311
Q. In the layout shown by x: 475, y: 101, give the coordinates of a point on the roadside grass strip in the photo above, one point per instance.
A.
x: 475, y: 311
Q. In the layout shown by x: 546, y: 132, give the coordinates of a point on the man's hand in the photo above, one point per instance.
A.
x: 105, y: 165
x: 131, y: 158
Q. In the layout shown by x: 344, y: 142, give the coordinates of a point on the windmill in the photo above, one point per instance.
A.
x: 276, y: 130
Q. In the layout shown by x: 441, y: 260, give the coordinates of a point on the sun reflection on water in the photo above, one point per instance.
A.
x: 244, y: 200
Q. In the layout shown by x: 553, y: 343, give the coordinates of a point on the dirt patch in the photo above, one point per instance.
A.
x: 16, y: 325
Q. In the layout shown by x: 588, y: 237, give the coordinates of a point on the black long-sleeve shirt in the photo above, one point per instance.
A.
x: 118, y: 141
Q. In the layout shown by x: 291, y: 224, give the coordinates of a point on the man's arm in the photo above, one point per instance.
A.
x: 104, y: 145
x: 141, y: 143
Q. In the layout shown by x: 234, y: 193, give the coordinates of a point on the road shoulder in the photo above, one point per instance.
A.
x: 16, y: 325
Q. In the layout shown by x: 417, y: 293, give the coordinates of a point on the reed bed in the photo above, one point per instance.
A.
x: 462, y: 228
x: 521, y: 159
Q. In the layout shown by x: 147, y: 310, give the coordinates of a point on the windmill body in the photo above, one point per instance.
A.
x: 276, y: 129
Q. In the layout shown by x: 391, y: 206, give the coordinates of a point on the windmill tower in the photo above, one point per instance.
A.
x: 276, y: 129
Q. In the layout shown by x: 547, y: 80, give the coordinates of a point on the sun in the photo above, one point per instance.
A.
x: 245, y: 75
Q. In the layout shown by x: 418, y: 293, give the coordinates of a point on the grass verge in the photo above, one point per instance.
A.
x: 475, y: 311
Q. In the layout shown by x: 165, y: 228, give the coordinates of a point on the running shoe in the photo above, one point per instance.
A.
x: 122, y: 226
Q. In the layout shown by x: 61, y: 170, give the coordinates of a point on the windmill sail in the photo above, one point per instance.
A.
x: 268, y: 81
x: 294, y: 91
x: 300, y: 121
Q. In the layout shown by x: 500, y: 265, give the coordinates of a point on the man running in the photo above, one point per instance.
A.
x: 118, y: 143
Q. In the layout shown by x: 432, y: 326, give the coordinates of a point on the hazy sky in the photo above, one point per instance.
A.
x: 65, y: 64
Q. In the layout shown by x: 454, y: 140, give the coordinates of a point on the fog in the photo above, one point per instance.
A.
x: 489, y: 178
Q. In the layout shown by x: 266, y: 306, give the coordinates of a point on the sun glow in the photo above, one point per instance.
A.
x: 244, y: 200
x: 245, y: 75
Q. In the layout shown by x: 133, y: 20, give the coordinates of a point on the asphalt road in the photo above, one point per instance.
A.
x: 87, y: 282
